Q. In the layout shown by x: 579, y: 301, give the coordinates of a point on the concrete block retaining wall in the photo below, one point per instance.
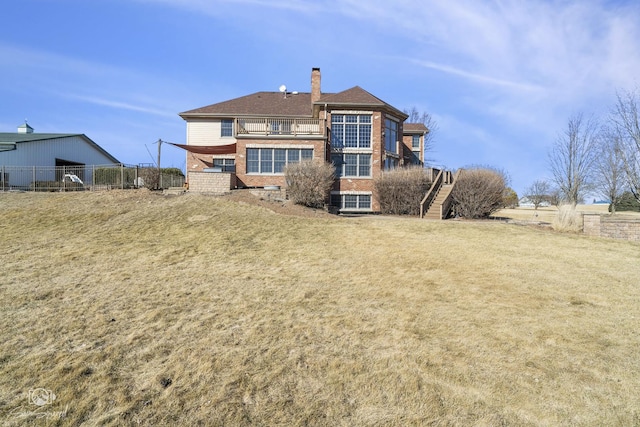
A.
x: 612, y: 227
x: 211, y: 182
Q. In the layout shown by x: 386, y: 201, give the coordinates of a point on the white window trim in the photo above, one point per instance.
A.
x: 354, y: 193
x: 291, y: 146
x: 233, y: 124
x: 356, y: 149
x: 260, y: 146
x: 351, y: 112
x: 358, y: 167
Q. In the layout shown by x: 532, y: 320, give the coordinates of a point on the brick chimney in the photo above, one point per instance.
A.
x: 315, y: 84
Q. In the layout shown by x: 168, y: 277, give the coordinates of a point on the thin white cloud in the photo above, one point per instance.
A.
x: 570, y: 48
x: 121, y: 105
x: 23, y: 59
x: 66, y: 77
x: 477, y: 77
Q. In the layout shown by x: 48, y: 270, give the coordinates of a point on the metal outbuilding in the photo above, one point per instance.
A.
x: 50, y: 150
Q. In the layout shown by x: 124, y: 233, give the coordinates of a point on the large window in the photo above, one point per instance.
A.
x: 352, y: 164
x: 226, y: 128
x: 391, y: 136
x: 273, y: 160
x: 351, y: 131
x: 415, y: 141
x: 351, y: 201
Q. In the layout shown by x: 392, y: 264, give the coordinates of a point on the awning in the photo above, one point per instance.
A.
x: 208, y: 149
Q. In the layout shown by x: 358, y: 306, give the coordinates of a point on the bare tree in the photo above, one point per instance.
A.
x: 572, y: 157
x: 627, y: 124
x: 427, y: 119
x: 609, y: 169
x: 538, y: 193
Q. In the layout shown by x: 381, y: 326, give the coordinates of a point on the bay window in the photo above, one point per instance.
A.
x: 352, y: 164
x: 390, y: 135
x: 351, y: 130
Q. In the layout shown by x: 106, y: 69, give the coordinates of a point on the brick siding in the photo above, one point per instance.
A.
x: 258, y: 180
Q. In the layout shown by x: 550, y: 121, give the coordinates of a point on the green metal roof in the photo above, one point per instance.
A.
x: 14, y: 137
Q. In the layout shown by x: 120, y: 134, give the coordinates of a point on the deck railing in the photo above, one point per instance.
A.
x: 272, y: 126
x: 445, y: 208
x: 428, y: 198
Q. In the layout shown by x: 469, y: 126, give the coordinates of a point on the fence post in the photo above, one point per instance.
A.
x: 121, y: 176
x: 34, y: 178
x: 2, y: 177
x: 93, y: 177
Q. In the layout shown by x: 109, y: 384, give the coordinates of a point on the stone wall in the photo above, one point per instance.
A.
x: 211, y: 182
x: 612, y: 227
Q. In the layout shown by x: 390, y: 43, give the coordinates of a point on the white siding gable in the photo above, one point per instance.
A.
x: 207, y: 133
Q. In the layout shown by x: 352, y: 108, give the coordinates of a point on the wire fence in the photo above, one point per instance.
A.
x: 85, y: 177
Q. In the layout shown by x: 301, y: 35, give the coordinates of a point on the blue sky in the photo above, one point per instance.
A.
x: 501, y: 78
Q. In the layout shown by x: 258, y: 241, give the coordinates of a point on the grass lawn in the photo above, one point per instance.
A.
x: 135, y: 308
x: 548, y: 214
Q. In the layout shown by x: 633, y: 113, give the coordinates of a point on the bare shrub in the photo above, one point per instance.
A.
x: 309, y: 183
x: 479, y: 192
x: 150, y: 178
x: 401, y: 190
x: 568, y: 219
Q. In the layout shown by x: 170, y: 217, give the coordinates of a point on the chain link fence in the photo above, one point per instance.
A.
x: 85, y: 177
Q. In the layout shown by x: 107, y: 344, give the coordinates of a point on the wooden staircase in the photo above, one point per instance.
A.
x: 436, y: 211
x: 437, y: 201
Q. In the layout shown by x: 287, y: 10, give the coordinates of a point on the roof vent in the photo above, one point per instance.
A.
x: 25, y: 128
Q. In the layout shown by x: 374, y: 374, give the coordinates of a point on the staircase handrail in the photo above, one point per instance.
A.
x: 431, y: 194
x: 446, y: 203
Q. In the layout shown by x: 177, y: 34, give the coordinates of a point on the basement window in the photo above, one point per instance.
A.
x: 351, y: 202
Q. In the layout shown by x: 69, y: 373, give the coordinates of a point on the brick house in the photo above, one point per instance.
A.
x: 255, y: 136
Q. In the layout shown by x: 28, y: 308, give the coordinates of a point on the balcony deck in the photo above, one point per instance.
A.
x: 269, y: 126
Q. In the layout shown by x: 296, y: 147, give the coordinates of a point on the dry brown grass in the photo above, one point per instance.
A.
x: 549, y: 214
x: 140, y: 309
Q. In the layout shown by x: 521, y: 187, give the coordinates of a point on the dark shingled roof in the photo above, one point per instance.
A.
x: 299, y: 105
x: 357, y: 97
x: 414, y: 128
x: 258, y: 104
